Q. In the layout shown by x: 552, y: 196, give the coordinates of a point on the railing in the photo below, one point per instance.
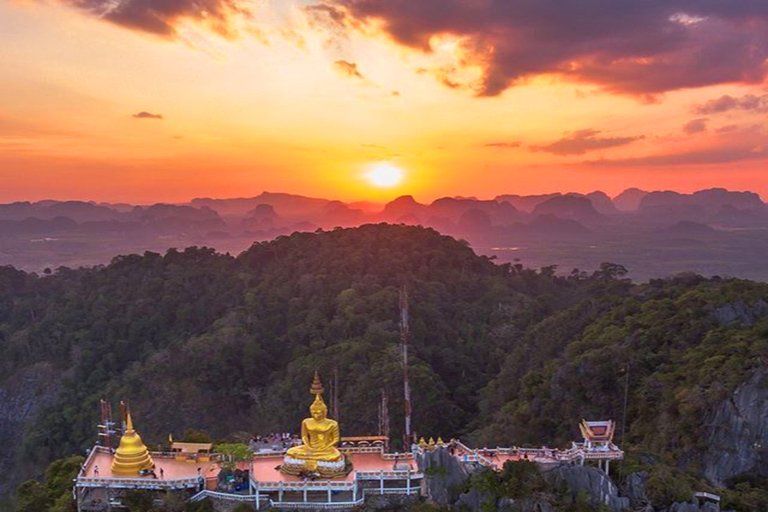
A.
x: 343, y: 504
x: 361, y: 449
x: 308, y: 485
x: 474, y: 455
x: 320, y: 504
x: 268, y: 453
x: 222, y: 495
x: 132, y: 483
x: 398, y: 456
x: 551, y: 454
x: 388, y: 475
x: 393, y: 490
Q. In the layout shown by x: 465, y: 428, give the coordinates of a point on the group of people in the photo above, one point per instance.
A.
x: 274, y: 441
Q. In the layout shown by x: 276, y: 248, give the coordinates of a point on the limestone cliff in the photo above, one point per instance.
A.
x: 22, y: 395
x: 737, y: 433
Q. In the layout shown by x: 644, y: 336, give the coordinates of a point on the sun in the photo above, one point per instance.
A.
x: 384, y: 175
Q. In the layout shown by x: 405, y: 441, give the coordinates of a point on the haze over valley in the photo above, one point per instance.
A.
x: 652, y: 233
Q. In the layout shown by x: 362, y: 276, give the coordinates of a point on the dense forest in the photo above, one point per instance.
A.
x: 501, y: 354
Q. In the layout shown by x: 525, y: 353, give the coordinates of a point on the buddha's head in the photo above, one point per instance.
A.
x: 318, y: 409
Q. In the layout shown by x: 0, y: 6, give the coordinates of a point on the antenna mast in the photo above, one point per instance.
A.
x: 106, y: 427
x: 404, y: 334
x: 384, y: 418
x: 335, y: 394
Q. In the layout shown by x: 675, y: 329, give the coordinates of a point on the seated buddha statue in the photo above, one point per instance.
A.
x: 319, y: 436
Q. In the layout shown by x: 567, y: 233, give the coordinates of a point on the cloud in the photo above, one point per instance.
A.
x: 695, y: 126
x: 147, y: 115
x: 348, y: 68
x: 503, y: 145
x: 637, y: 47
x: 727, y: 128
x: 694, y: 157
x: 161, y: 17
x: 726, y: 103
x: 583, y: 141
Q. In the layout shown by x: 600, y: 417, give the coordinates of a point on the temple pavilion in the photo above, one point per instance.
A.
x: 325, y: 471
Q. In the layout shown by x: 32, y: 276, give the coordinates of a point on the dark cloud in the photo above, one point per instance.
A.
x: 583, y: 141
x: 348, y: 68
x: 697, y: 157
x: 639, y: 47
x: 503, y: 145
x: 147, y: 115
x: 160, y: 17
x: 726, y: 102
x: 695, y: 126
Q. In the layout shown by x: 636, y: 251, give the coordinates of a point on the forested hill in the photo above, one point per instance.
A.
x: 500, y: 354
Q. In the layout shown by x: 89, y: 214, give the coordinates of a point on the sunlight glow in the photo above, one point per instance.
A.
x: 384, y: 175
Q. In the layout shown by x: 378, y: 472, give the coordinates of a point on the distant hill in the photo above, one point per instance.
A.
x: 571, y: 207
x: 629, y: 200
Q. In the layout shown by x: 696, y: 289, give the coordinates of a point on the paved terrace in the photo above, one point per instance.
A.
x: 177, y: 474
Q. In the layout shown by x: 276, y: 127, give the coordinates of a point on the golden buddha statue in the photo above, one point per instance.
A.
x: 320, y: 436
x: 132, y: 455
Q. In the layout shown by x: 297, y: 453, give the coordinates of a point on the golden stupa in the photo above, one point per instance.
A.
x: 132, y: 455
x: 320, y: 437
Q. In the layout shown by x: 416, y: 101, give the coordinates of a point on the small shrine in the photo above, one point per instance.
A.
x: 597, y: 434
x: 318, y: 455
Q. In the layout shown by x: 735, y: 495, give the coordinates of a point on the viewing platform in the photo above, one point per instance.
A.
x: 321, y: 470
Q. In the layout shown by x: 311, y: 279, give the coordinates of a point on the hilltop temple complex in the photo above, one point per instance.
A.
x: 325, y: 471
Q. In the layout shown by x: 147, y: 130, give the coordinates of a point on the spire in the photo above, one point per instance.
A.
x: 128, y: 422
x: 317, y: 385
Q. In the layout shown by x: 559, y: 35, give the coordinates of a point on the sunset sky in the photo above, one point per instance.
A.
x: 165, y: 100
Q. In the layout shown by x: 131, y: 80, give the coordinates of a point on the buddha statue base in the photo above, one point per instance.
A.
x: 317, y: 468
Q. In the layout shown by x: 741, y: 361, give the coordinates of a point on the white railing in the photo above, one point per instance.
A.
x: 308, y: 485
x: 222, y: 495
x: 398, y: 456
x: 131, y: 483
x: 268, y: 453
x: 388, y: 475
x: 361, y: 449
x: 319, y: 504
x: 343, y: 504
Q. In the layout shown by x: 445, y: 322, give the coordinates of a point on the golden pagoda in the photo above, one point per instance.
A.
x: 132, y: 455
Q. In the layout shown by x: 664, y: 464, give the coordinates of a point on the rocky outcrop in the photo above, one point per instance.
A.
x: 595, y: 482
x: 22, y: 396
x: 740, y: 311
x: 635, y: 489
x: 737, y: 433
x: 444, y: 476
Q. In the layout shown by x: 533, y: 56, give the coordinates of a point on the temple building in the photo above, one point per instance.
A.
x: 325, y: 470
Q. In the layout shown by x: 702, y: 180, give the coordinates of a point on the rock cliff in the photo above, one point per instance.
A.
x: 22, y: 395
x: 737, y: 433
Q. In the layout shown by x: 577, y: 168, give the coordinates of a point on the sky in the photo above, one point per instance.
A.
x: 166, y: 100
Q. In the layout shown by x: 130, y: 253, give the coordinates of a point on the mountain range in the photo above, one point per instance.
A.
x: 713, y: 231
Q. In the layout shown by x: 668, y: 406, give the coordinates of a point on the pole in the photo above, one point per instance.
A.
x: 336, y: 394
x: 384, y: 419
x: 404, y: 334
x: 624, y: 418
